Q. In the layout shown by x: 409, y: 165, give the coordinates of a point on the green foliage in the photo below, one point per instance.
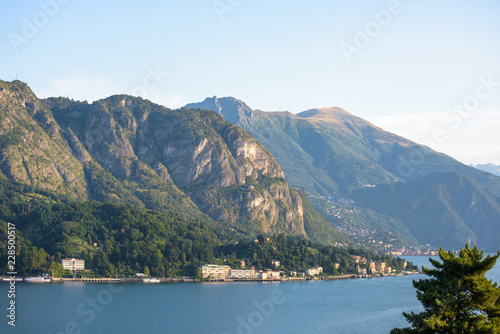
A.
x: 118, y: 240
x: 458, y: 298
x: 56, y: 269
x: 166, y: 244
x: 317, y: 228
x: 298, y: 255
x: 127, y: 238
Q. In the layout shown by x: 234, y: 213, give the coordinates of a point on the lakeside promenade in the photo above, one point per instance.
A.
x: 228, y: 280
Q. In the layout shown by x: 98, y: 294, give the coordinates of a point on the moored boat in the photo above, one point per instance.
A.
x: 151, y: 280
x: 38, y: 279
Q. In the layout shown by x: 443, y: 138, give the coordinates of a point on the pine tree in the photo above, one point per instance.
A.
x: 458, y: 298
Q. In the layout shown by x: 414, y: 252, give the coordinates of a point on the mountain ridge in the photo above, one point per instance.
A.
x: 332, y: 154
x: 490, y: 168
x: 129, y: 150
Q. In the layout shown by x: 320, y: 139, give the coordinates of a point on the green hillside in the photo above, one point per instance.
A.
x: 449, y: 209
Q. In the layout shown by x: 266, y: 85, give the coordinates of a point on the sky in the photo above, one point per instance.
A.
x: 425, y: 70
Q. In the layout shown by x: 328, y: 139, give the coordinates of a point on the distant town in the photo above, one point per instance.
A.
x: 365, y: 269
x: 347, y: 218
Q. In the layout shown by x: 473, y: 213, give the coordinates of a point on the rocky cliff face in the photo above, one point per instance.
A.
x: 32, y: 149
x: 130, y: 150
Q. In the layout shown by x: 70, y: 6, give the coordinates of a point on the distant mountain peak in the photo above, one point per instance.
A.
x: 232, y: 109
x: 333, y: 112
x: 211, y: 103
x: 490, y: 168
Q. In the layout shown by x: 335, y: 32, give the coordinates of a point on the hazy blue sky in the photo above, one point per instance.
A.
x: 427, y: 70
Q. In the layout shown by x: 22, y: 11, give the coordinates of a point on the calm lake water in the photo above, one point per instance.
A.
x: 344, y: 306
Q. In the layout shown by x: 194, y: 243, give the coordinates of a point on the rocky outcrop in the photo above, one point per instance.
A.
x: 32, y: 150
x: 233, y: 110
x: 130, y: 150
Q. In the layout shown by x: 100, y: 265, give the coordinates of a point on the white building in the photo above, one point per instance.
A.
x: 215, y: 271
x: 261, y: 274
x: 316, y: 270
x: 273, y: 274
x: 73, y: 264
x: 242, y: 273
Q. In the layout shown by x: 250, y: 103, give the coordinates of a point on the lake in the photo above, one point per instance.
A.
x: 343, y: 306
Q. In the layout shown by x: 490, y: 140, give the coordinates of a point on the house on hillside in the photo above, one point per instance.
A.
x: 73, y: 264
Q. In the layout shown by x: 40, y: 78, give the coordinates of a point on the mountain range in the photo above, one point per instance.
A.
x: 246, y: 171
x: 128, y: 150
x: 490, y: 168
x: 338, y: 157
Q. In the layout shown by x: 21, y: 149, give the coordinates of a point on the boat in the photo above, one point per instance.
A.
x: 151, y: 280
x: 38, y: 279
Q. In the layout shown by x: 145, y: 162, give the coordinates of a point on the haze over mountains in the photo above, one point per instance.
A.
x: 331, y: 153
x: 490, y: 168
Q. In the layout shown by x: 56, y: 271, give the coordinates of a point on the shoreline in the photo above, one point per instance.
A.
x: 226, y: 280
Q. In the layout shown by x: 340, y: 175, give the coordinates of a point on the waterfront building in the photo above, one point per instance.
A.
x: 243, y: 273
x: 380, y: 267
x: 73, y: 264
x: 316, y: 270
x: 261, y: 274
x: 273, y: 274
x: 215, y: 271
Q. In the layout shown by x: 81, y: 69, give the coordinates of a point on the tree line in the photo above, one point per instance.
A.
x: 121, y: 239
